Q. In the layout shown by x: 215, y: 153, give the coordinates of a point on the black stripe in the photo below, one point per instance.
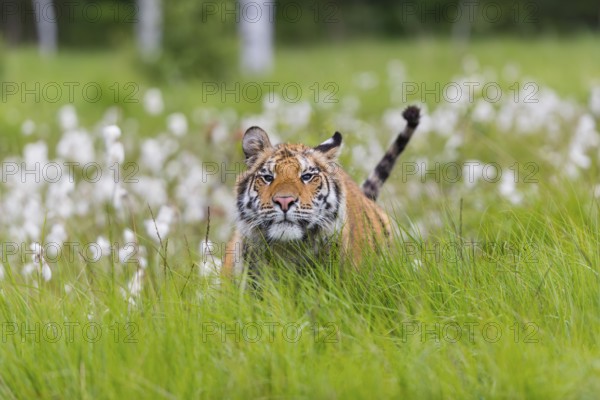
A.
x: 383, y: 169
x: 383, y: 227
x: 338, y: 199
x: 337, y: 190
x: 412, y: 116
x: 401, y: 142
x: 337, y: 140
x: 328, y: 187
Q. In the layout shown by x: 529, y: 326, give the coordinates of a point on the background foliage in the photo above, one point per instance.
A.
x: 201, y: 44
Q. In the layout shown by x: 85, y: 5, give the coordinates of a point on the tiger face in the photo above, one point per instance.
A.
x: 297, y: 205
x: 290, y: 192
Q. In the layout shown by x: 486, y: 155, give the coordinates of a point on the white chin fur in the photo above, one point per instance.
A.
x: 285, y: 232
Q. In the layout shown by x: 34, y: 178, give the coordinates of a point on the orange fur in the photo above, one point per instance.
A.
x: 365, y: 225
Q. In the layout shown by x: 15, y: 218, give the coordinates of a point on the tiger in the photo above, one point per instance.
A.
x: 296, y: 203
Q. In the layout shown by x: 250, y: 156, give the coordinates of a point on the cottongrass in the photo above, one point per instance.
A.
x: 167, y: 168
x: 473, y: 259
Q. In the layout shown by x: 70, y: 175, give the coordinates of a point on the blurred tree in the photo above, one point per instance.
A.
x: 461, y: 28
x: 197, y: 34
x: 256, y: 36
x: 149, y: 28
x: 47, y: 27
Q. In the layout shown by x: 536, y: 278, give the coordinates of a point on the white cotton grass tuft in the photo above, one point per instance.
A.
x: 103, y: 246
x: 115, y: 154
x: 76, y: 146
x: 483, y: 112
x: 153, y: 157
x: 156, y: 151
x: 153, y: 101
x: 57, y: 234
x: 142, y: 257
x: 129, y: 236
x: 25, y: 212
x: 131, y: 250
x: 220, y: 133
x: 119, y: 196
x: 111, y: 134
x: 127, y: 253
x: 153, y: 191
x: 134, y: 287
x: 296, y: 116
x: 55, y: 240
x: 158, y: 228
x: 27, y: 127
x: 177, y: 124
x: 28, y: 269
x: 508, y: 188
x: 210, y: 264
x: 35, y: 153
x: 135, y: 284
x: 111, y: 184
x: 67, y: 117
x: 36, y: 252
x: 191, y: 190
x: 393, y: 120
x: 46, y: 272
x: 38, y: 262
x: 417, y: 264
x: 594, y: 102
x: 584, y: 138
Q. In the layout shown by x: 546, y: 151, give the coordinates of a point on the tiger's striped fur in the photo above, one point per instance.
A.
x: 295, y: 199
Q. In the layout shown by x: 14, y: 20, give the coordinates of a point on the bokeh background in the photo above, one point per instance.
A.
x: 185, y: 79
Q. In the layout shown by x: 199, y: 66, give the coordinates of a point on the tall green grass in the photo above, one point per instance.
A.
x: 495, y: 301
x: 434, y: 318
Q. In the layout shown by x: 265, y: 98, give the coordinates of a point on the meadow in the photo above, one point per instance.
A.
x: 116, y: 201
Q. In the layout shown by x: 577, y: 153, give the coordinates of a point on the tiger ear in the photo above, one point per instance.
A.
x: 255, y: 141
x: 331, y: 147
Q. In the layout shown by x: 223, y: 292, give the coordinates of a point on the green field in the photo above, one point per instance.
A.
x: 492, y: 289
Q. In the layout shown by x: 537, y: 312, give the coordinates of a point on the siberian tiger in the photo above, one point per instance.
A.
x: 295, y: 202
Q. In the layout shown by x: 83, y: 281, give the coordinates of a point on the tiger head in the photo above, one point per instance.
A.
x: 290, y: 191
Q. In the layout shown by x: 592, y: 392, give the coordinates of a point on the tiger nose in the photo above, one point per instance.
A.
x: 284, y: 201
